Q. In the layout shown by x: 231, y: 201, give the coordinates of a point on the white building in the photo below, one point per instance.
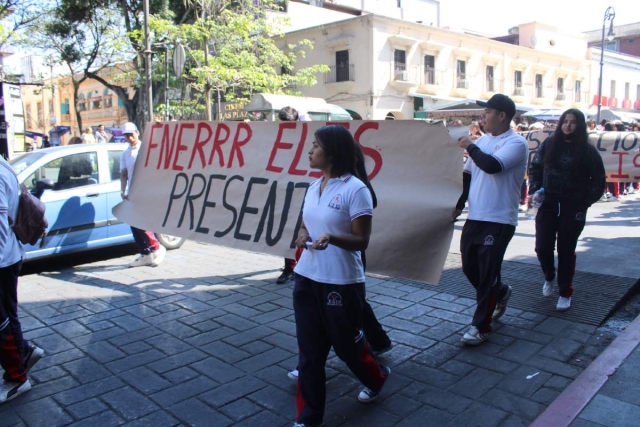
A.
x: 384, y: 67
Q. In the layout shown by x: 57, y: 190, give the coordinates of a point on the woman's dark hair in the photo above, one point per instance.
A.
x: 344, y: 154
x: 339, y: 149
x: 579, y: 138
x: 608, y: 126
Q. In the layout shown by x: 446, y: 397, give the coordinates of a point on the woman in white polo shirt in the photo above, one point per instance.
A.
x: 328, y: 295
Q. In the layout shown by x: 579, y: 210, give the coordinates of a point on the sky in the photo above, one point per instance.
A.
x: 495, y: 17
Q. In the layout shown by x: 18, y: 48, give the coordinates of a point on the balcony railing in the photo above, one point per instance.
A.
x: 518, y: 91
x: 340, y: 73
x: 539, y: 92
x: 429, y: 76
x: 561, y: 96
x: 400, y: 72
x: 462, y: 82
x: 489, y: 85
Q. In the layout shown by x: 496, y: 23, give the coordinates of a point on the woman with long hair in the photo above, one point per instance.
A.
x: 328, y: 295
x: 572, y: 174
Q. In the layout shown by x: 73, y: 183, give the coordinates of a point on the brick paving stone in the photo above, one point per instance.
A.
x: 427, y: 321
x: 139, y: 335
x: 69, y: 329
x: 410, y: 339
x: 212, y: 313
x: 554, y: 367
x: 476, y: 383
x: 464, y: 319
x: 256, y: 347
x: 168, y: 344
x: 412, y: 312
x: 102, y: 335
x: 255, y: 363
x: 228, y: 392
x: 553, y: 326
x: 404, y: 325
x: 488, y: 362
x: 455, y: 367
x: 427, y: 375
x: 513, y: 404
x: 436, y: 355
x: 48, y: 374
x: 520, y: 351
x: 177, y: 361
x: 141, y: 311
x: 103, y: 419
x: 225, y: 352
x: 168, y: 316
x: 275, y: 400
x: 48, y: 389
x: 248, y: 336
x: 181, y: 375
x: 399, y: 354
x: 557, y: 382
x: 444, y: 305
x: 282, y: 340
x: 419, y: 296
x: 156, y: 419
x: 518, y: 322
x: 525, y: 334
x: 9, y: 417
x: 560, y: 349
x: 442, y: 330
x: 128, y: 403
x: 195, y: 413
x: 400, y: 405
x: 545, y: 396
x: 86, y: 408
x: 436, y: 397
x: 479, y: 415
x: 145, y: 380
x: 135, y: 347
x: 53, y: 343
x: 514, y: 421
x: 86, y: 391
x: 43, y: 412
x: 524, y: 381
x: 433, y: 416
x: 183, y: 391
x: 240, y: 409
x: 135, y: 360
x: 391, y: 301
x: 218, y: 370
x: 263, y: 419
x: 178, y: 330
x: 86, y: 370
x: 533, y: 316
x: 207, y: 337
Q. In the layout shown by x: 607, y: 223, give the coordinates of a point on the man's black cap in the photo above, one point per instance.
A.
x: 500, y: 102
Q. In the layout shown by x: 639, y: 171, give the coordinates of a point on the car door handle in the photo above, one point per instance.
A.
x: 91, y: 195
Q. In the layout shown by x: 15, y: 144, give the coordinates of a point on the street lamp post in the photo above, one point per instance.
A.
x: 609, y: 14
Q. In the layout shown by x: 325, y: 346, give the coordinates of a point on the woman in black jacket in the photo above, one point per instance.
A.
x: 572, y: 174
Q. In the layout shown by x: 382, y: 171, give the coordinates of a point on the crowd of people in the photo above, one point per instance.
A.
x: 329, y: 293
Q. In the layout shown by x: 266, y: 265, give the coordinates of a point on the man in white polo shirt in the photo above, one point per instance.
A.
x: 492, y: 177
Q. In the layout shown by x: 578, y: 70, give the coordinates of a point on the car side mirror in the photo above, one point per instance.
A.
x: 41, y: 185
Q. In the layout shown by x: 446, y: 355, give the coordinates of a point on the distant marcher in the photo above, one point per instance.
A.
x: 101, y: 135
x: 171, y: 118
x: 492, y: 177
x: 17, y: 356
x: 329, y: 289
x: 87, y: 137
x: 591, y: 125
x: 75, y: 140
x: 572, y: 174
x: 475, y: 132
x: 150, y: 251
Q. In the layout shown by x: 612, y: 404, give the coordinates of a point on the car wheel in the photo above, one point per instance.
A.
x: 170, y: 242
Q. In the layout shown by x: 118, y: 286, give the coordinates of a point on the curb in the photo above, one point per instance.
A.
x: 568, y: 405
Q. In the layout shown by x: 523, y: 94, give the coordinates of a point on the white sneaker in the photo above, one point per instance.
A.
x: 563, y: 303
x: 474, y: 337
x: 142, y: 260
x: 293, y: 375
x: 10, y: 390
x: 522, y: 208
x: 547, y: 288
x: 611, y: 197
x: 158, y: 256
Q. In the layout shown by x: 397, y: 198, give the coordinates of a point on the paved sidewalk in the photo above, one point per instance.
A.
x: 207, y: 338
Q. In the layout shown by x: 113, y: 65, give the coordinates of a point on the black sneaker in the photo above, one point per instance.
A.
x: 285, y: 277
x: 367, y: 395
x: 34, y: 354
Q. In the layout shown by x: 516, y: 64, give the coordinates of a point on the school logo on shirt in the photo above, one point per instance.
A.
x: 334, y: 299
x: 488, y: 241
x: 336, y: 202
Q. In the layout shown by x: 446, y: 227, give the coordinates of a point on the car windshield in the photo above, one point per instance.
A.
x: 22, y: 162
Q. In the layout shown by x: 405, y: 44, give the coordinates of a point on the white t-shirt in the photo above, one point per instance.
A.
x: 128, y: 162
x: 343, y: 200
x: 495, y: 197
x: 11, y: 251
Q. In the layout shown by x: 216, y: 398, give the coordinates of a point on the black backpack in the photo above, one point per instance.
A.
x: 30, y: 223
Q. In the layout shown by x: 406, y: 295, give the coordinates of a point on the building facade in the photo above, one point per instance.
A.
x: 383, y: 67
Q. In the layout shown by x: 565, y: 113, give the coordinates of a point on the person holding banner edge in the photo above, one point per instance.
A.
x: 150, y: 251
x: 572, y: 173
x: 492, y: 177
x: 328, y: 293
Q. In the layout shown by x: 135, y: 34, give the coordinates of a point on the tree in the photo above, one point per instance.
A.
x: 81, y: 47
x: 15, y: 15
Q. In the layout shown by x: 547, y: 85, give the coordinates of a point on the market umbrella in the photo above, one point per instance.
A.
x: 545, y: 114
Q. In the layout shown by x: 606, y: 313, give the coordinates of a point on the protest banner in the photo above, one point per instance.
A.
x: 242, y: 185
x: 619, y: 150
